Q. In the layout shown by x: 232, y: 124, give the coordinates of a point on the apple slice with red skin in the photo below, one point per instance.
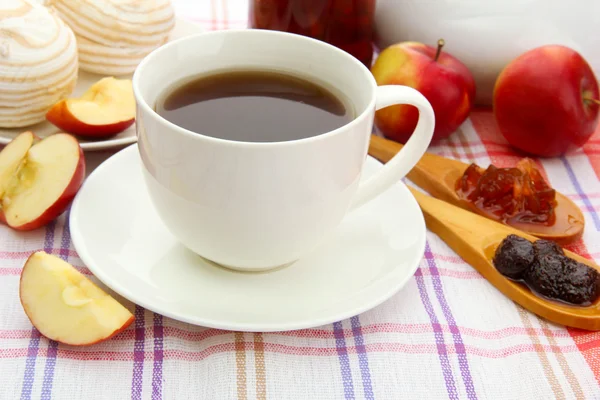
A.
x: 105, y: 109
x: 38, y: 179
x: 66, y: 306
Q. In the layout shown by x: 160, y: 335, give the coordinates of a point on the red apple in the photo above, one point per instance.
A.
x: 39, y: 179
x: 442, y: 79
x: 546, y: 101
x: 66, y: 306
x: 105, y: 109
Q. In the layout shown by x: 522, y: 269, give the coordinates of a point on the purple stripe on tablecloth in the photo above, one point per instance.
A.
x: 581, y: 192
x: 49, y: 370
x: 34, y: 342
x: 363, y: 360
x: 340, y: 344
x: 157, y: 368
x: 439, y: 337
x: 29, y: 375
x: 138, y: 355
x: 463, y: 362
x: 65, y: 244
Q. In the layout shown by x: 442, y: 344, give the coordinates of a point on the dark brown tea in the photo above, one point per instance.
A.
x: 254, y: 106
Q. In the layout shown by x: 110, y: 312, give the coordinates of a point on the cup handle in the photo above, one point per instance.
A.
x: 413, y: 150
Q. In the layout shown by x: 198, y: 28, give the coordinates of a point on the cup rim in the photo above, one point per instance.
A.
x: 141, y: 101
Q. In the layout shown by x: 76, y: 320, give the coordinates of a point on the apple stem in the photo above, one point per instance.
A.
x: 596, y: 101
x: 441, y: 44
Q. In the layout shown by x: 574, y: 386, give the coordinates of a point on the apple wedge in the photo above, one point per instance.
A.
x: 105, y: 109
x: 38, y: 179
x: 66, y: 306
x: 11, y: 158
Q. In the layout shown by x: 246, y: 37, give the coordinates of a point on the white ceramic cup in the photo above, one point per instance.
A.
x: 254, y: 205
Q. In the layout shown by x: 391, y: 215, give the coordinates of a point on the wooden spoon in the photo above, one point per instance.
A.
x: 475, y: 239
x: 438, y: 176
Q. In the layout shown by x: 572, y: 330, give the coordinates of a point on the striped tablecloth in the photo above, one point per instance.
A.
x: 447, y: 334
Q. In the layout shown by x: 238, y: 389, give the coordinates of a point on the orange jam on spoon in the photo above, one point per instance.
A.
x: 518, y: 194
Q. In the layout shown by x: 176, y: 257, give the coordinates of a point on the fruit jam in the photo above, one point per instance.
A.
x: 509, y: 194
x: 346, y: 24
x: 547, y: 271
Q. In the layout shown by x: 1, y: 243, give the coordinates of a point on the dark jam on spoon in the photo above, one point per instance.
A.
x: 517, y: 194
x: 547, y: 271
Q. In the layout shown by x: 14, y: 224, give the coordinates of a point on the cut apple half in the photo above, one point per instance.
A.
x: 105, y: 109
x: 39, y: 179
x: 66, y: 306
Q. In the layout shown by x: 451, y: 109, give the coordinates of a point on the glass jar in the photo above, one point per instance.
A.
x: 347, y: 24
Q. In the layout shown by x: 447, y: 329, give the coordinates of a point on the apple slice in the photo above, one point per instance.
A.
x: 11, y: 159
x: 107, y: 108
x: 38, y: 180
x: 66, y: 306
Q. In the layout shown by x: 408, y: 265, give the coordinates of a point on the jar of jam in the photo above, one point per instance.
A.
x: 347, y: 24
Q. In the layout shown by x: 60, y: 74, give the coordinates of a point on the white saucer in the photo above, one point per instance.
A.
x: 120, y: 238
x: 84, y: 81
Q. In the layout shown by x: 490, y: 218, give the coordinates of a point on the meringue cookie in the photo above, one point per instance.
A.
x: 38, y: 62
x: 113, y: 36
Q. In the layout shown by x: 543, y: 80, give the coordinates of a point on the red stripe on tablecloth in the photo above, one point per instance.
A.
x: 592, y: 151
x: 278, y: 348
x: 588, y: 195
x: 15, y: 255
x: 588, y: 341
x: 501, y: 143
x: 225, y: 14
x: 505, y: 153
x: 213, y: 13
x: 486, y: 128
x: 17, y: 271
x: 442, y: 271
x: 385, y: 328
x: 443, y: 257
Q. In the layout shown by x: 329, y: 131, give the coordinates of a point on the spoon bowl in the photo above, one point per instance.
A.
x: 475, y: 239
x: 438, y: 176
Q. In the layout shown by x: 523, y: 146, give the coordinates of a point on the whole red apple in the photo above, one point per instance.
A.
x: 546, y: 101
x: 441, y: 78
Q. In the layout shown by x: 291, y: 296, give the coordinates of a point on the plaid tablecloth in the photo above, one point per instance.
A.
x: 447, y: 334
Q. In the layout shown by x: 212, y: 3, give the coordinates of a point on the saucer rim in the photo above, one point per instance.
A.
x: 79, y: 244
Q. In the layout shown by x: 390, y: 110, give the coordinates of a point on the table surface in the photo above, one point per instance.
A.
x: 447, y: 334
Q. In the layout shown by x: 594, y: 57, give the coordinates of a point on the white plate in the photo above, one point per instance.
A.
x: 121, y: 239
x: 84, y: 81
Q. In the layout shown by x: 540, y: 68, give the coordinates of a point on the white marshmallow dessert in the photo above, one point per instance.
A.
x: 115, y: 35
x: 38, y: 62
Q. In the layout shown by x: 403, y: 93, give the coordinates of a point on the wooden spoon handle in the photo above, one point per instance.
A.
x: 465, y: 232
x: 383, y: 149
x: 437, y: 175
